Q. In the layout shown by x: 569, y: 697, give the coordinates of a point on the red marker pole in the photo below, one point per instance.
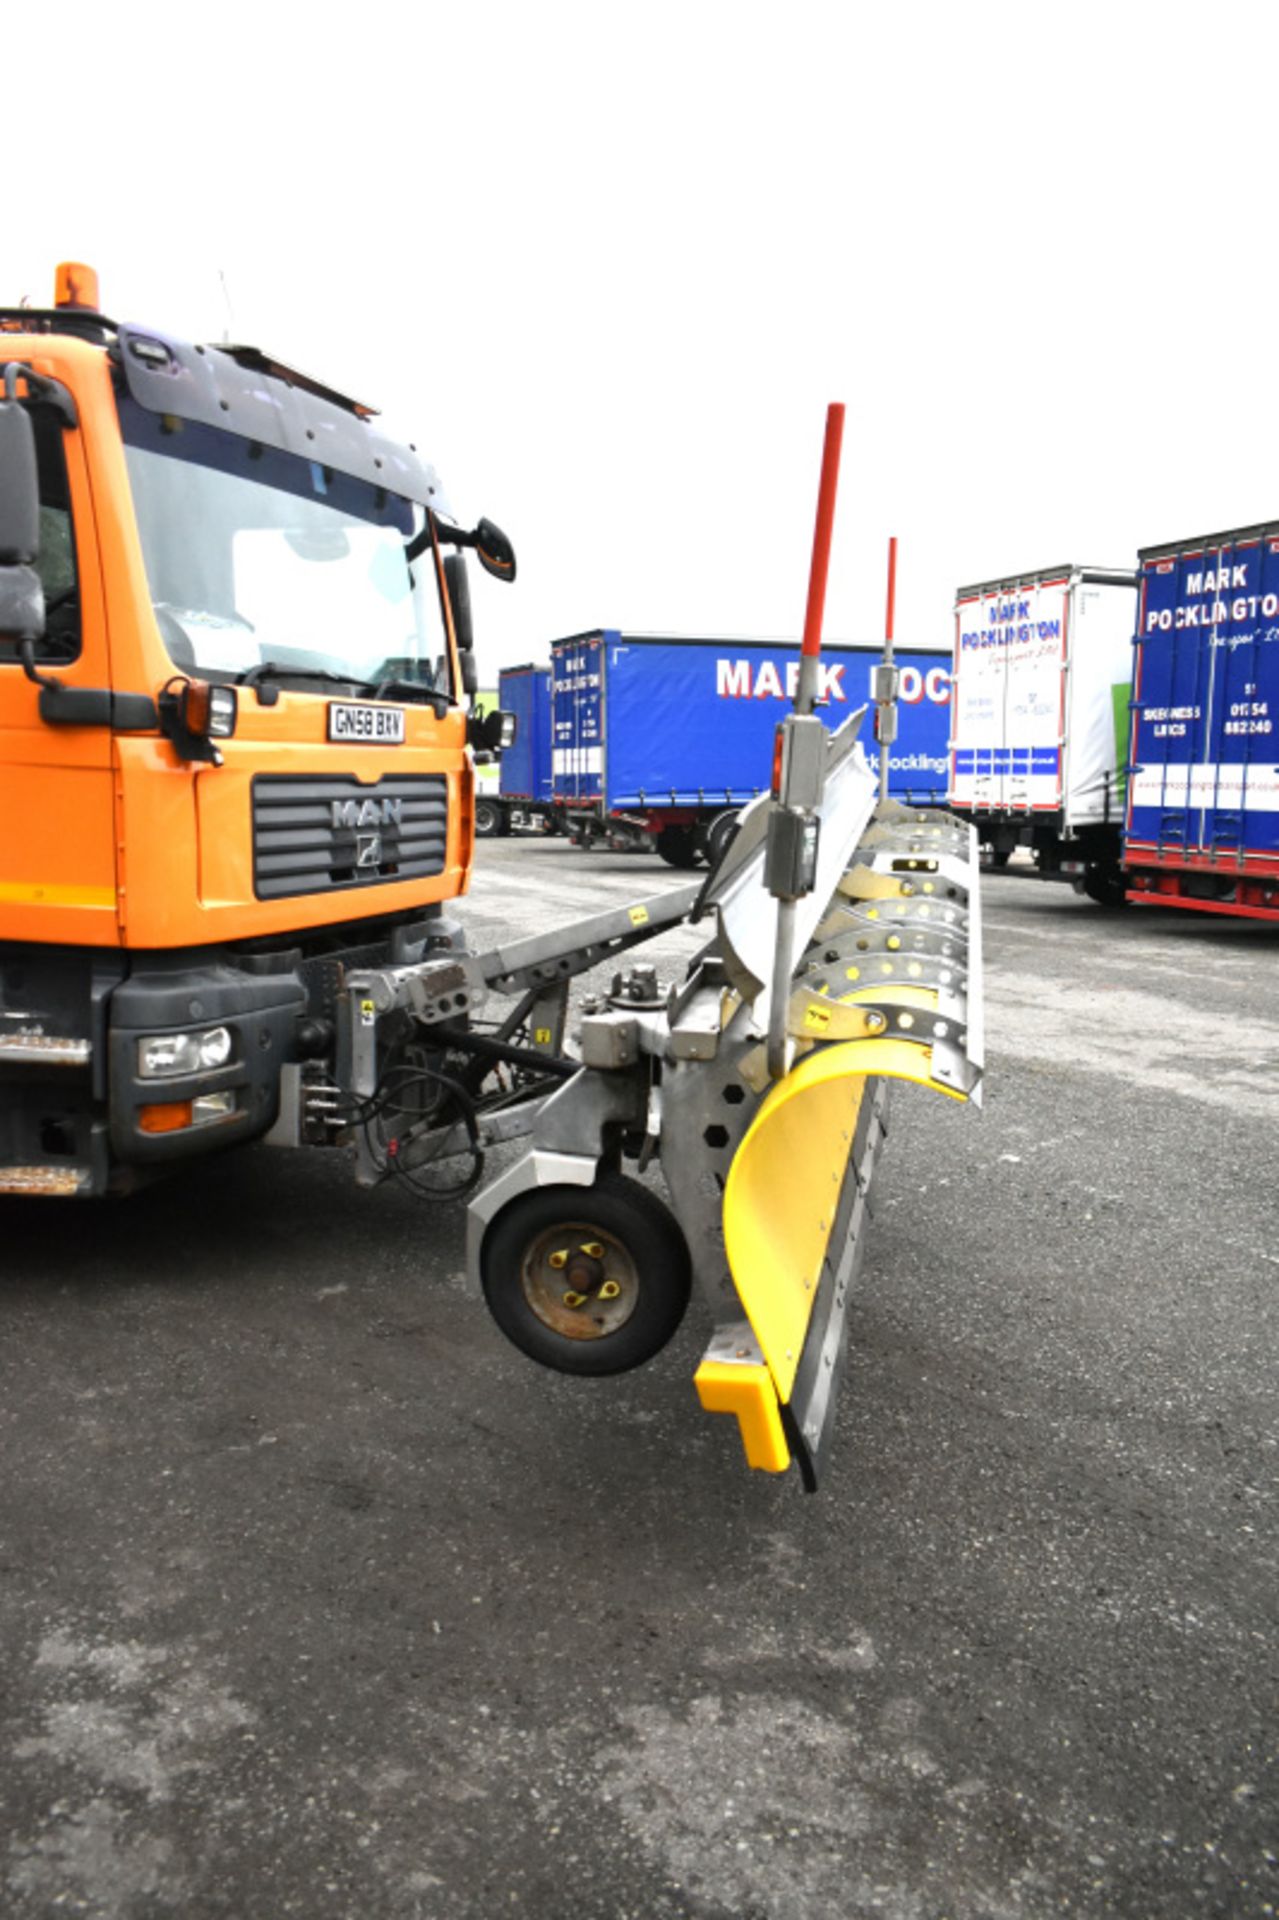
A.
x: 810, y: 651
x: 886, y: 683
x: 790, y: 854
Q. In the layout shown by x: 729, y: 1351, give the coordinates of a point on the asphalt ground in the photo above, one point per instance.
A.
x: 317, y: 1598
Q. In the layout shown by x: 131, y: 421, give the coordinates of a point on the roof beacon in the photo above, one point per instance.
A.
x: 75, y: 286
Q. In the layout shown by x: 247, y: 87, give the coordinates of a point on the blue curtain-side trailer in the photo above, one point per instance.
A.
x: 668, y: 737
x: 524, y: 797
x: 1202, y: 826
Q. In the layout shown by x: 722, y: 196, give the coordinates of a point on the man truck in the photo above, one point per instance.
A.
x: 233, y: 736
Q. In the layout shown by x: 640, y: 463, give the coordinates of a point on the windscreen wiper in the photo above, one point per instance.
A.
x: 283, y: 670
x: 394, y: 685
x: 411, y: 690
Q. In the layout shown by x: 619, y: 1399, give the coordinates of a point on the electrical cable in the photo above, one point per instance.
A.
x: 389, y: 1101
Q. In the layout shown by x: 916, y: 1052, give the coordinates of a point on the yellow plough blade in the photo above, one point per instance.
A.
x: 780, y: 1201
x: 888, y: 988
x: 792, y: 1220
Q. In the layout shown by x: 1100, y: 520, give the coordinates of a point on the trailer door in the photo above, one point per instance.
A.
x: 577, y: 719
x: 1206, y: 704
x: 1239, y: 783
x: 1009, y: 697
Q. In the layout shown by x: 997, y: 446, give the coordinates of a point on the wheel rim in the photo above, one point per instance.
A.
x: 580, y: 1281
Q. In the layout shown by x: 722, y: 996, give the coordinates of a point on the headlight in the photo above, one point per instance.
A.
x: 215, y: 1046
x: 162, y: 1055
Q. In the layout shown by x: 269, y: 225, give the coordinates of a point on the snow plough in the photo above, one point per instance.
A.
x: 236, y: 766
x: 768, y: 1177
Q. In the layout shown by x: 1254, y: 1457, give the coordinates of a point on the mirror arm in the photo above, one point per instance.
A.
x: 449, y: 535
x: 27, y: 655
x: 42, y: 390
x: 445, y: 532
x: 455, y: 536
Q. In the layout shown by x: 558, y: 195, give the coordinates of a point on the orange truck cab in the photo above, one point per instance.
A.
x: 235, y: 745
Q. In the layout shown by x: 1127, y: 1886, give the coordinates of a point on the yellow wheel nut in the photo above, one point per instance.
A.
x: 557, y: 1260
x: 610, y: 1290
x: 593, y: 1250
x: 574, y: 1299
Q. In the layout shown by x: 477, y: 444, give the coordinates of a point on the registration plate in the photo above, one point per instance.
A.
x: 380, y: 726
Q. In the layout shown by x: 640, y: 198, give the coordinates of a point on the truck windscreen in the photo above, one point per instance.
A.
x: 256, y: 557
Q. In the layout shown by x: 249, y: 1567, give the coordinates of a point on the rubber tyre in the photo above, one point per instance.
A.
x: 720, y: 835
x: 1000, y: 856
x: 617, y: 1211
x: 1106, y: 886
x: 677, y: 846
x: 490, y: 821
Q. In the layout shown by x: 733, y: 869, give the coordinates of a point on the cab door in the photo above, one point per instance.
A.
x: 57, y: 834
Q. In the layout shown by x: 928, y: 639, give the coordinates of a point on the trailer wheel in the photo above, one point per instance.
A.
x: 587, y: 1280
x: 1105, y: 885
x: 490, y: 821
x: 677, y: 846
x: 721, y: 834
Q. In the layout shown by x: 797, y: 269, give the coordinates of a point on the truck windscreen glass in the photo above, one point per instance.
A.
x: 256, y: 557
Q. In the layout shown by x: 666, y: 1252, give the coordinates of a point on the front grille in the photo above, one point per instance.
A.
x: 327, y: 836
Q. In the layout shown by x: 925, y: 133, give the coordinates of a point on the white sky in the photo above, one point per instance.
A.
x: 607, y: 264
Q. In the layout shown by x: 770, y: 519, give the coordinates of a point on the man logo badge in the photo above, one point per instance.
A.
x: 347, y: 814
x: 368, y: 850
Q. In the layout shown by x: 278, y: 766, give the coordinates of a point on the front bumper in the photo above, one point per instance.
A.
x: 260, y: 1014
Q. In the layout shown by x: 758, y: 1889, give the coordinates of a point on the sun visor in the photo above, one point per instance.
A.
x: 234, y: 389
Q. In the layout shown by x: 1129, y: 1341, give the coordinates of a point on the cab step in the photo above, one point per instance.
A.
x: 60, y: 1182
x: 44, y: 1050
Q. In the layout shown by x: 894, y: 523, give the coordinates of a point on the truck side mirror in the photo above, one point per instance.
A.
x: 494, y: 551
x: 460, y: 599
x: 491, y: 732
x: 21, y: 593
x: 19, y: 487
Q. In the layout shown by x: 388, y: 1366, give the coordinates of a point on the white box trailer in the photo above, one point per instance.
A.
x: 1039, y: 717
